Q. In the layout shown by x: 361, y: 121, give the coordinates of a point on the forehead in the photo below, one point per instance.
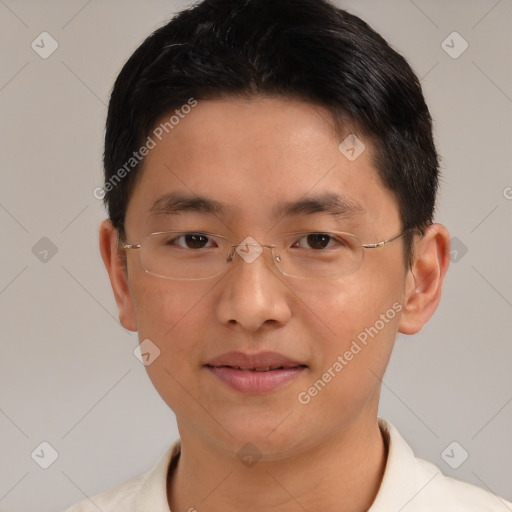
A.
x: 257, y: 158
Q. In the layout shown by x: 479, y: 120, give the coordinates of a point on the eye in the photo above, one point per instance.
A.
x: 316, y: 241
x: 189, y: 240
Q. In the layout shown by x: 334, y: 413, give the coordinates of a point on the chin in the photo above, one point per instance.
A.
x: 274, y: 436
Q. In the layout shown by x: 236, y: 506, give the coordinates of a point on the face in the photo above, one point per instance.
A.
x: 252, y: 156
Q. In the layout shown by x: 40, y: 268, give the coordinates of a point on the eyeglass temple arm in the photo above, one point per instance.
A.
x: 389, y: 240
x: 124, y: 245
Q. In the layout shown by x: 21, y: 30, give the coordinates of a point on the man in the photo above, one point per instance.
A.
x: 270, y: 178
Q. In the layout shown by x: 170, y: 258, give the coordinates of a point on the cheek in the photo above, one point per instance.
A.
x: 359, y: 322
x: 346, y: 307
x: 162, y: 305
x: 351, y: 360
x: 175, y: 317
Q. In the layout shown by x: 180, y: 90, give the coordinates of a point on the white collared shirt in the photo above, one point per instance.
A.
x: 409, y: 484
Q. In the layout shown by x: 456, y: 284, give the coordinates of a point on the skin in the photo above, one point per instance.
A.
x: 328, y: 455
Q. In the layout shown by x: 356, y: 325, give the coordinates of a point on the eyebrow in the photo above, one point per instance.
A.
x: 335, y: 204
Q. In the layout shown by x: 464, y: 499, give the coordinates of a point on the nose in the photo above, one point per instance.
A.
x: 252, y: 293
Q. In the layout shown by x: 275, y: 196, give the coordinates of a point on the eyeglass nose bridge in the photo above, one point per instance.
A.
x: 248, y: 244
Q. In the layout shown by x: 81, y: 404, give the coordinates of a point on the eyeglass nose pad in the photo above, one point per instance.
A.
x: 276, y: 258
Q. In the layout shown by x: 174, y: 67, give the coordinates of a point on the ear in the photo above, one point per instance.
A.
x: 117, y: 274
x: 425, y: 278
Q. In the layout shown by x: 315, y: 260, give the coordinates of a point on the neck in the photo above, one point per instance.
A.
x: 341, y: 474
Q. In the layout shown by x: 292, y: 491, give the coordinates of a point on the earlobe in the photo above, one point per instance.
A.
x: 117, y: 275
x: 425, y: 279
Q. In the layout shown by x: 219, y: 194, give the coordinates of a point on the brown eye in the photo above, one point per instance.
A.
x: 315, y: 241
x: 189, y: 241
x: 318, y: 240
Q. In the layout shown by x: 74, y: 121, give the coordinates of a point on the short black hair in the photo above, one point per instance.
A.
x: 304, y: 49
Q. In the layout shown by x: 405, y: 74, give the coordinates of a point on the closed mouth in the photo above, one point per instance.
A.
x: 259, y: 368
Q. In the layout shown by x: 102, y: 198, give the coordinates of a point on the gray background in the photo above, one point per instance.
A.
x: 68, y: 375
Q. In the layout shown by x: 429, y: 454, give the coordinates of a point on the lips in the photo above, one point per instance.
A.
x: 256, y: 373
x: 262, y: 362
x: 259, y: 369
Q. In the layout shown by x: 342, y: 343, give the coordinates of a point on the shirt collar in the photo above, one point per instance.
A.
x: 153, y: 492
x: 403, y: 480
